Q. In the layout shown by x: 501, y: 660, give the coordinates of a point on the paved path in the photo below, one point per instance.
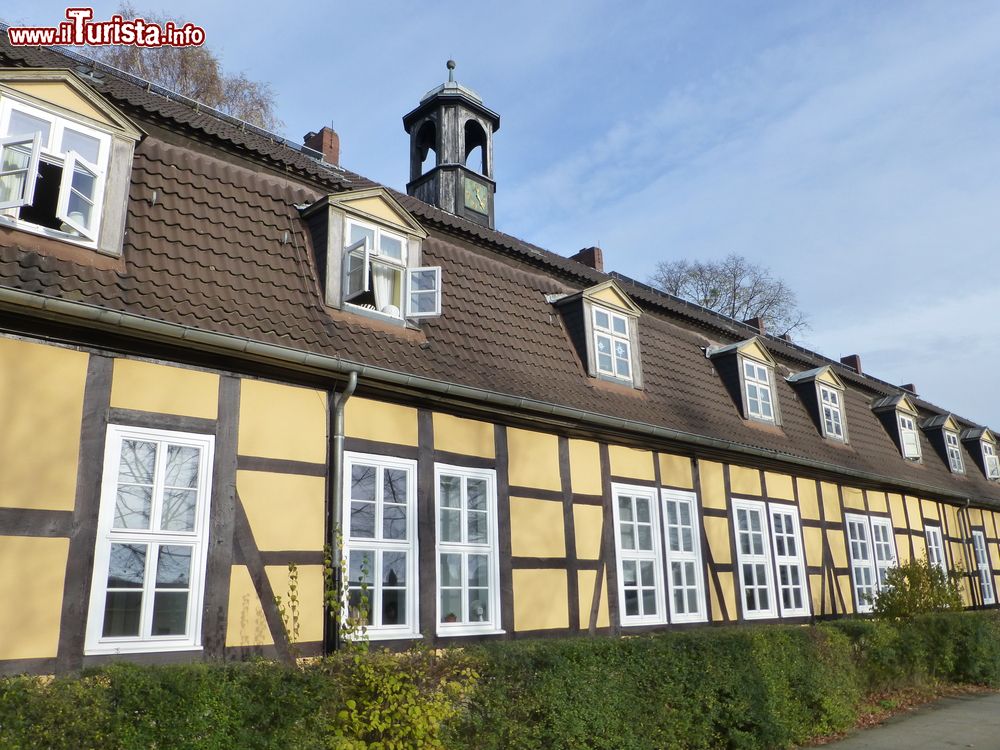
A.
x: 967, y: 721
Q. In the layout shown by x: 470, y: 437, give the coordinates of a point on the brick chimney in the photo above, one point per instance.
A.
x: 909, y: 387
x: 590, y: 256
x: 757, y: 323
x: 853, y: 361
x: 327, y: 142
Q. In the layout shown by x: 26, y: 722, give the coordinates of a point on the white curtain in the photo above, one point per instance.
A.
x: 383, y: 285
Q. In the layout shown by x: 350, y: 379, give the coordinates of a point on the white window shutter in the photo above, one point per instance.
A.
x: 357, y: 268
x: 18, y: 169
x: 79, y: 206
x: 911, y: 448
x: 423, y: 292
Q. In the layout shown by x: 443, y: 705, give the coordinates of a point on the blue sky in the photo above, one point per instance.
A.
x: 852, y: 147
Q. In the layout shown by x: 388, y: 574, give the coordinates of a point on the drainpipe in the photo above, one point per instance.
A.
x: 336, y: 496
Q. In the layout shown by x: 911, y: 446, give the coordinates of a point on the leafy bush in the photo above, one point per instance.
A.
x: 917, y: 587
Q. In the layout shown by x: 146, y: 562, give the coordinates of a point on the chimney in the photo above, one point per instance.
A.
x: 327, y: 142
x: 590, y: 256
x: 786, y: 337
x: 757, y: 323
x: 854, y: 362
x: 909, y: 387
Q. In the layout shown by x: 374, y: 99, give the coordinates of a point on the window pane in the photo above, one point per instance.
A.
x: 360, y: 233
x: 13, y: 173
x: 479, y: 608
x: 648, y: 602
x: 132, y: 507
x: 687, y: 540
x: 477, y: 494
x: 394, y: 568
x: 359, y: 605
x: 363, y: 520
x: 625, y: 508
x: 646, y: 573
x: 178, y: 510
x: 645, y: 538
x: 394, y: 522
x: 391, y: 247
x: 393, y: 607
x: 173, y: 566
x: 619, y: 325
x: 451, y: 525
x: 360, y: 567
x: 22, y: 123
x: 394, y: 486
x: 631, y: 602
x: 628, y: 536
x: 629, y: 573
x: 451, y: 570
x: 182, y: 466
x: 86, y: 146
x: 601, y: 319
x: 642, y: 510
x: 127, y: 566
x: 82, y: 197
x: 170, y: 613
x: 121, y: 613
x: 451, y: 605
x: 674, y: 539
x: 138, y: 459
x: 477, y: 527
x: 451, y: 492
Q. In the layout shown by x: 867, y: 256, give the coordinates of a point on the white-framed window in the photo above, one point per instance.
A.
x: 612, y: 344
x: 380, y: 543
x: 152, y: 542
x: 789, y: 561
x: 908, y: 437
x: 954, y: 451
x: 468, y: 568
x: 833, y: 412
x: 757, y: 382
x: 935, y: 548
x: 983, y: 566
x: 753, y: 557
x: 377, y: 275
x: 685, y: 572
x: 52, y: 172
x: 872, y: 549
x: 990, y: 460
x: 637, y: 547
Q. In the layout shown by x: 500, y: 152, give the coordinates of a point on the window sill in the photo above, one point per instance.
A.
x: 466, y: 630
x: 376, y: 315
x: 645, y: 622
x: 388, y: 635
x: 52, y: 234
x: 144, y: 647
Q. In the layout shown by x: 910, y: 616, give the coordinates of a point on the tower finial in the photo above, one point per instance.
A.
x: 451, y: 71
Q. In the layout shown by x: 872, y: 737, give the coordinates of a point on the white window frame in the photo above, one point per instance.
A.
x: 378, y: 545
x: 756, y: 560
x: 33, y: 144
x: 935, y: 547
x: 409, y: 291
x: 983, y: 567
x: 990, y: 460
x: 953, y: 448
x: 908, y: 426
x: 198, y: 539
x: 789, y: 561
x: 761, y: 386
x: 614, y: 338
x: 884, y: 546
x: 68, y: 160
x: 681, y: 557
x: 493, y: 625
x: 831, y: 404
x: 876, y: 563
x: 638, y: 556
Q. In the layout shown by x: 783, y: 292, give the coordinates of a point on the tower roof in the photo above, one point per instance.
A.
x: 452, y: 90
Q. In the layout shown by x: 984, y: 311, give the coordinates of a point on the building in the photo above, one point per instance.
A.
x: 211, y: 339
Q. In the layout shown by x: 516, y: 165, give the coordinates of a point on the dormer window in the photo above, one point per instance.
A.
x: 954, y: 451
x: 991, y: 461
x: 822, y: 393
x: 64, y: 163
x: 757, y: 381
x: 833, y: 419
x: 908, y: 436
x: 612, y: 345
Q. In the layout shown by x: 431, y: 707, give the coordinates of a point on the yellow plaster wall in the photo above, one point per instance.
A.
x: 812, y: 538
x: 838, y: 551
x: 588, y: 524
x: 283, y: 421
x: 63, y: 96
x: 820, y: 604
x: 533, y: 459
x: 744, y: 481
x: 717, y: 533
x: 808, y: 501
x: 164, y: 389
x: 896, y: 509
x: 713, y: 485
x: 675, y: 471
x: 374, y: 206
x: 382, y: 422
x: 756, y: 351
x: 728, y: 586
x: 32, y: 571
x: 877, y: 502
x: 844, y: 582
x: 310, y: 595
x: 612, y: 297
x: 536, y: 528
x: 541, y: 599
x: 631, y: 463
x: 919, y: 547
x: 587, y: 579
x: 41, y: 405
x: 779, y: 486
x: 854, y: 499
x: 245, y: 623
x: 831, y: 502
x: 286, y: 511
x: 827, y: 376
x: 585, y: 467
x: 913, y: 513
x: 466, y: 436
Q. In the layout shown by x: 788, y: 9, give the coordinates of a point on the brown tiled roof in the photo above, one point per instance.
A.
x: 223, y: 248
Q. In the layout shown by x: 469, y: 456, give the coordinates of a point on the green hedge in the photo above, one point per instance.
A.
x: 741, y: 687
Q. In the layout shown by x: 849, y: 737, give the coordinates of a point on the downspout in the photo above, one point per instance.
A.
x: 336, y: 504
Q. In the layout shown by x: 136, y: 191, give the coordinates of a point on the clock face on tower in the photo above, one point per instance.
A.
x: 476, y: 197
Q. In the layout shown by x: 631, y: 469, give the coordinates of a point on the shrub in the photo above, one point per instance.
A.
x: 917, y: 587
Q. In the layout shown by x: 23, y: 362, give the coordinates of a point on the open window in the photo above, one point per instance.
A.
x: 18, y: 169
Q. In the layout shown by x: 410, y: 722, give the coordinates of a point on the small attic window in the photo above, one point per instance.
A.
x: 833, y: 413
x: 909, y: 439
x: 757, y: 379
x: 954, y: 450
x: 612, y: 344
x: 990, y: 460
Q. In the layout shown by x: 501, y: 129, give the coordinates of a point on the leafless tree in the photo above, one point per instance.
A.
x: 194, y: 72
x: 736, y: 287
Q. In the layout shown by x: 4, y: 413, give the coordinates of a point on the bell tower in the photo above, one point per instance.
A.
x: 451, y: 151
